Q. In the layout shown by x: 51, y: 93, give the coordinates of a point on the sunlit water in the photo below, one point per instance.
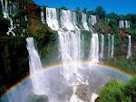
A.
x: 5, y: 11
x: 61, y: 83
x: 95, y: 75
x: 129, y: 53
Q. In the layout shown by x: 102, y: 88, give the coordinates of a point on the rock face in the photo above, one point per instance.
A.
x: 97, y: 100
x: 33, y: 15
x: 37, y: 98
x: 83, y: 92
x: 123, y: 33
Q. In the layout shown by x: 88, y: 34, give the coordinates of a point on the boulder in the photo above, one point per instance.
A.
x: 83, y: 92
x: 39, y: 98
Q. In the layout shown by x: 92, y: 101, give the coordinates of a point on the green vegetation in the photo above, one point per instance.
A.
x: 4, y: 25
x: 112, y: 92
x: 14, y: 61
x: 14, y: 55
x: 45, y: 38
x: 100, y: 12
x: 116, y: 91
x: 124, y: 64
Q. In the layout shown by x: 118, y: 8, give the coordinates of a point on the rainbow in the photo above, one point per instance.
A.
x: 55, y: 65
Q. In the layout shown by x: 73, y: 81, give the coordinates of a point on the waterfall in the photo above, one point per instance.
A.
x: 91, y: 22
x: 70, y: 51
x: 129, y: 53
x: 6, y: 16
x: 102, y: 47
x: 94, y: 53
x: 93, y: 19
x: 14, y: 7
x: 112, y: 46
x: 26, y: 19
x: 51, y: 18
x: 5, y: 9
x: 42, y: 16
x: 127, y: 24
x: 70, y: 48
x: 69, y: 39
x: 35, y: 67
x: 121, y: 24
x: 109, y: 45
x: 124, y: 24
x: 70, y: 45
x: 84, y: 22
x: 66, y: 20
x: 74, y: 20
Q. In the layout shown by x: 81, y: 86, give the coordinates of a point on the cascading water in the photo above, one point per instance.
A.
x: 102, y: 47
x: 124, y: 24
x: 129, y: 53
x: 26, y: 19
x: 42, y: 16
x: 69, y: 43
x: 70, y: 50
x: 112, y: 46
x: 84, y: 22
x: 35, y: 67
x: 5, y: 12
x: 127, y: 24
x: 74, y: 20
x: 94, y: 53
x: 70, y: 46
x: 121, y: 24
x: 109, y: 45
x: 14, y: 7
x: 66, y: 20
x: 51, y: 18
x: 5, y: 8
x: 93, y: 20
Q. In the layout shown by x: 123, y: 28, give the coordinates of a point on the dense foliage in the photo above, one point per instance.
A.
x: 4, y: 25
x: 14, y: 64
x: 116, y: 91
x: 127, y: 65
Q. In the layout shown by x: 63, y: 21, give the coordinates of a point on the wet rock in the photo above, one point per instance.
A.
x: 97, y: 99
x: 94, y: 98
x: 39, y: 98
x: 83, y: 92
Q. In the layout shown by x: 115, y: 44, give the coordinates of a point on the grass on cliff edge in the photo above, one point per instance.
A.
x: 127, y: 65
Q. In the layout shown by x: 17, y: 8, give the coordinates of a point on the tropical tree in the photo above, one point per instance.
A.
x: 100, y: 12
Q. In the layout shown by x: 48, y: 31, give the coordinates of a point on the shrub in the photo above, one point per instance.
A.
x: 112, y: 92
x: 115, y: 91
